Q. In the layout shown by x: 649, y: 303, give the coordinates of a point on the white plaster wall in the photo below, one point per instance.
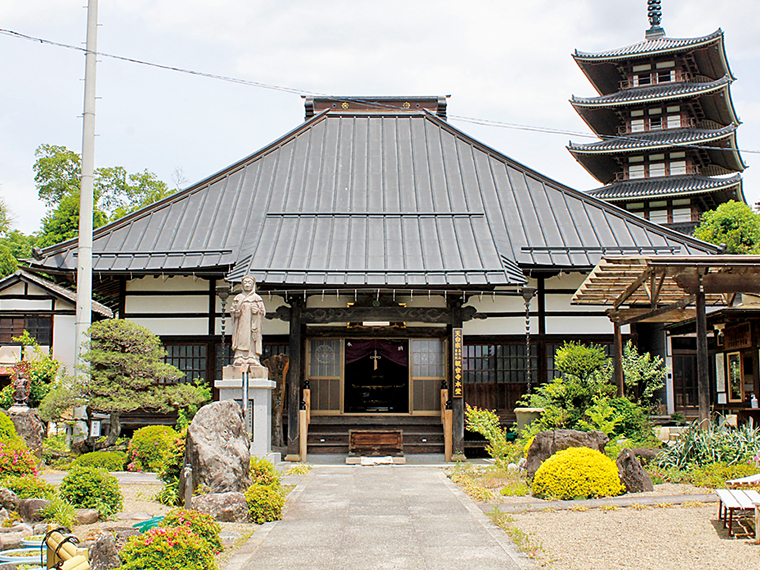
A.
x: 579, y: 325
x: 499, y: 326
x: 271, y: 326
x: 166, y: 283
x: 175, y: 327
x: 498, y: 304
x: 166, y: 304
x: 19, y: 289
x: 565, y: 281
x: 26, y: 304
x: 64, y: 345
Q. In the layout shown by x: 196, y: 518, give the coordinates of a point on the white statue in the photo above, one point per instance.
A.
x: 247, y: 312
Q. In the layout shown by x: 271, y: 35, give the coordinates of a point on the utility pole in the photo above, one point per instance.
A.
x: 84, y: 250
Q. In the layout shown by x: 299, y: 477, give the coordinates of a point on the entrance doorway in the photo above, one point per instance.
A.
x: 377, y: 376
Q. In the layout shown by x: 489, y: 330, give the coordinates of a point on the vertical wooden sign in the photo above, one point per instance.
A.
x: 458, y: 386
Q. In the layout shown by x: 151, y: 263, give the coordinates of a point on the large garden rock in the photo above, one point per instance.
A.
x: 218, y: 449
x: 8, y: 499
x: 104, y: 554
x: 29, y: 427
x: 224, y: 507
x: 645, y: 454
x: 29, y: 509
x: 87, y: 516
x: 632, y: 474
x: 547, y: 443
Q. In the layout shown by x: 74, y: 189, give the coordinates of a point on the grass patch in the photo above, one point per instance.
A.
x: 299, y: 469
x: 525, y: 541
x: 487, y: 483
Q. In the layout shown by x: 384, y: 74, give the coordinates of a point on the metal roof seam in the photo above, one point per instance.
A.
x: 240, y: 245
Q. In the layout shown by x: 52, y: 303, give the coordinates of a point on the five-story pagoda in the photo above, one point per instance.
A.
x: 668, y: 127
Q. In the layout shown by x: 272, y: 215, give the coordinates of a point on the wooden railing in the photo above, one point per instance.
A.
x: 304, y: 419
x: 447, y: 419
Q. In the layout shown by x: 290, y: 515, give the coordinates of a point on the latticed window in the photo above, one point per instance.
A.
x: 189, y: 358
x: 497, y: 363
x: 40, y: 328
x: 325, y: 358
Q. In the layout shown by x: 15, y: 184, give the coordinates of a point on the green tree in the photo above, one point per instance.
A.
x: 19, y: 244
x: 62, y: 223
x: 57, y: 175
x: 125, y: 371
x: 734, y: 224
x: 8, y: 263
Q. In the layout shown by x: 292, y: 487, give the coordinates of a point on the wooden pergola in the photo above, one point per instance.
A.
x: 669, y: 289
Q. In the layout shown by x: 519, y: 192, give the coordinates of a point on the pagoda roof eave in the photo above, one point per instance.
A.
x: 599, y: 66
x: 600, y: 159
x: 663, y: 92
x: 668, y: 187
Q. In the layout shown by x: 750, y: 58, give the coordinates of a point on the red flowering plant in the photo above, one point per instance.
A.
x: 201, y: 524
x: 167, y: 548
x: 16, y: 459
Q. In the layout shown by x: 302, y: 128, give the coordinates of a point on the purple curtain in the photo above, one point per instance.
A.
x: 395, y: 351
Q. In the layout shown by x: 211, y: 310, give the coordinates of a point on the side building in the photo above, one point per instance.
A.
x: 668, y: 149
x: 376, y: 231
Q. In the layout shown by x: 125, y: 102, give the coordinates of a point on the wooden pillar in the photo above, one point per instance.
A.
x: 457, y: 404
x: 618, y: 360
x: 295, y: 373
x: 703, y: 376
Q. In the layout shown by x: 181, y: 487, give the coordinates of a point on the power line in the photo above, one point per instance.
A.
x: 304, y: 93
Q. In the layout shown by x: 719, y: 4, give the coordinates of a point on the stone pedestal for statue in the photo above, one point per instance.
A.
x: 259, y: 415
x: 29, y: 426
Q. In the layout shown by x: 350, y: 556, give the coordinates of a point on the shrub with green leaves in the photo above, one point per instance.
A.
x: 201, y: 524
x: 171, y: 470
x: 60, y: 512
x: 92, y: 488
x: 486, y: 423
x: 715, y: 444
x: 41, y: 370
x: 108, y: 460
x: 7, y: 429
x: 28, y: 487
x: 148, y: 448
x: 263, y: 472
x: 712, y: 475
x: 265, y: 503
x: 577, y: 473
x: 16, y: 459
x: 167, y: 548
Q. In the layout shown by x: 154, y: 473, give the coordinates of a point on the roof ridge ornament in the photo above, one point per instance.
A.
x: 654, y: 11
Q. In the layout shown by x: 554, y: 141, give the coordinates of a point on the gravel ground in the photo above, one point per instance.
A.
x: 678, y: 537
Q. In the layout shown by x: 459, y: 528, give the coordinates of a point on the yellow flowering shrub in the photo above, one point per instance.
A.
x: 577, y: 473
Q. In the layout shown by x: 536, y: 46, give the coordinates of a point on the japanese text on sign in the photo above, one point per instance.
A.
x: 458, y: 386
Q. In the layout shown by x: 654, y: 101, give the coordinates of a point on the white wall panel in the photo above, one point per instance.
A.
x: 173, y: 327
x: 176, y: 283
x: 499, y: 304
x: 64, y: 305
x: 25, y: 305
x: 166, y: 304
x: 20, y: 289
x: 64, y: 345
x: 579, y: 325
x: 565, y: 281
x: 270, y: 327
x: 499, y: 326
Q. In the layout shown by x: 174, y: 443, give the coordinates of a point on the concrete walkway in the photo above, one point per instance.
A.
x: 400, y: 517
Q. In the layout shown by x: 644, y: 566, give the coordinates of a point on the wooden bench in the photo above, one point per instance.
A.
x: 736, y: 502
x: 376, y: 442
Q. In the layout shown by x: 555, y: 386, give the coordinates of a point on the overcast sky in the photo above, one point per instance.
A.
x: 506, y: 61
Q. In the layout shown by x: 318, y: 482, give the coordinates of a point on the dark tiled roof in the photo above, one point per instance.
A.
x: 651, y: 46
x: 54, y: 289
x: 655, y: 139
x: 666, y: 186
x: 373, y: 198
x: 662, y: 92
